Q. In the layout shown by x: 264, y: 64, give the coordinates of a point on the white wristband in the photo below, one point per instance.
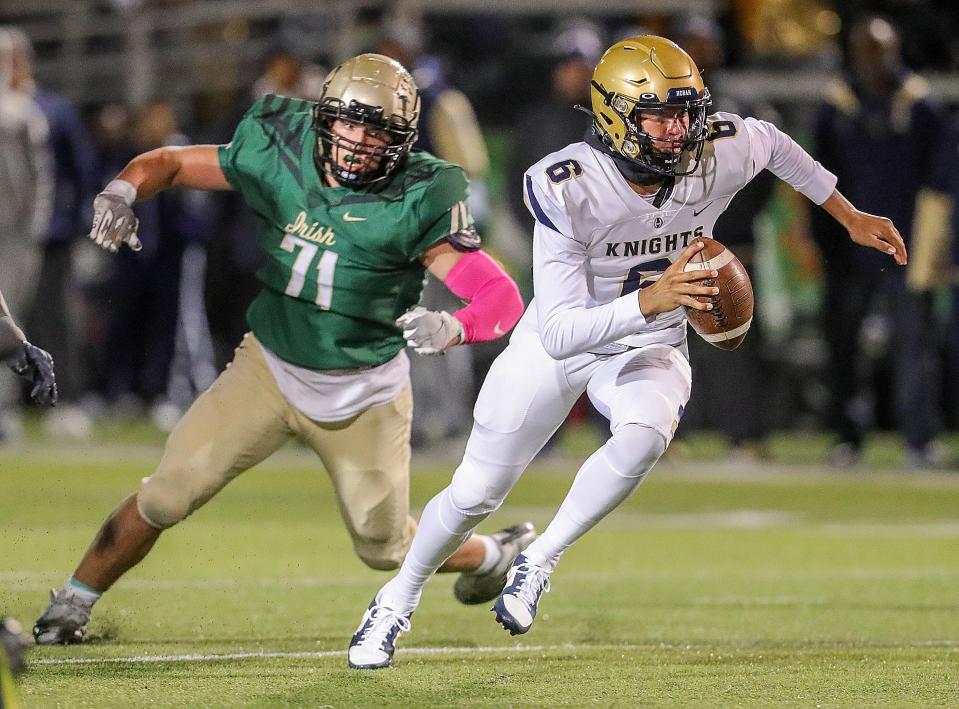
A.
x: 122, y: 189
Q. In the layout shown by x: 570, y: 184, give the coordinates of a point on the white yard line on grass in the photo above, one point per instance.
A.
x: 320, y: 654
x: 314, y: 654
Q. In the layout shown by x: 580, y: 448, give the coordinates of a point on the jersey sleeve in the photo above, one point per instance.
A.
x: 566, y: 326
x: 444, y: 213
x: 248, y: 160
x: 542, y: 204
x: 775, y: 151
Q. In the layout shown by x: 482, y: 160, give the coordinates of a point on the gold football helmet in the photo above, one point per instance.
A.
x: 376, y: 91
x: 649, y: 74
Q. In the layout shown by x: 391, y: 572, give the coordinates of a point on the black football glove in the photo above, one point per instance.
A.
x: 37, y: 366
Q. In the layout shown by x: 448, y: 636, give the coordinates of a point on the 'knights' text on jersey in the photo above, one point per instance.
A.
x: 589, y: 220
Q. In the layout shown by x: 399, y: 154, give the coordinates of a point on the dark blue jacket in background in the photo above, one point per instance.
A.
x: 74, y: 161
x: 884, y: 151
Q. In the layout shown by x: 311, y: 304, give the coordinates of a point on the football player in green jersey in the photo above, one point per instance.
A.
x: 350, y: 219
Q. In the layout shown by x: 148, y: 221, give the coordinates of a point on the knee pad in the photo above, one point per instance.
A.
x: 480, y: 489
x: 163, y: 503
x: 634, y: 449
x: 384, y: 553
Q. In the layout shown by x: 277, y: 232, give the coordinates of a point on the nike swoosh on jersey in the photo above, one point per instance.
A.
x: 348, y: 218
x: 696, y: 214
x: 497, y: 330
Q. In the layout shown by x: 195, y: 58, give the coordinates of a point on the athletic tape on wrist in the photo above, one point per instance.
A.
x: 122, y: 189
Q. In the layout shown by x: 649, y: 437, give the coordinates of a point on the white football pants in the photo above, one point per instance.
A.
x: 525, y: 398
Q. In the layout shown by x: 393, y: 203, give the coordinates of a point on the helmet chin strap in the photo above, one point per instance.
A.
x: 632, y: 171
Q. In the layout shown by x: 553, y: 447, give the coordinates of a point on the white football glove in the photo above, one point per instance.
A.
x: 113, y: 220
x: 429, y: 332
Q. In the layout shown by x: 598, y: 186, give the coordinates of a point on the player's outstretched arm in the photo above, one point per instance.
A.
x: 494, y: 303
x: 114, y: 223
x: 10, y: 335
x: 867, y: 229
x: 27, y: 360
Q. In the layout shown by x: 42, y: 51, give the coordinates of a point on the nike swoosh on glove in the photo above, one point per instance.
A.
x: 430, y: 332
x: 114, y: 222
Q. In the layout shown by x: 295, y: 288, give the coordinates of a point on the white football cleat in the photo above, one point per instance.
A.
x: 471, y: 588
x: 516, y: 606
x: 374, y: 642
x: 63, y: 622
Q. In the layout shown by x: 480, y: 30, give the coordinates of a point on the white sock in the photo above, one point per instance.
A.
x: 86, y: 595
x: 607, y: 478
x: 492, y: 556
x: 442, y: 530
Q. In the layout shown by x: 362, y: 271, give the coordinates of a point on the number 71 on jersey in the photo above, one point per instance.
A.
x: 302, y: 267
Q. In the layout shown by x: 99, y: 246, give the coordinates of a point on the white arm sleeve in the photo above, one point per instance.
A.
x: 782, y: 156
x: 566, y: 326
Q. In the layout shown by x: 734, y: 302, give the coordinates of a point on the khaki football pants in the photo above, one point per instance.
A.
x: 243, y: 418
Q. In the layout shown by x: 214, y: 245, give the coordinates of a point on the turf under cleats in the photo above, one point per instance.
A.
x: 63, y: 622
x: 516, y: 606
x: 374, y: 642
x: 473, y: 588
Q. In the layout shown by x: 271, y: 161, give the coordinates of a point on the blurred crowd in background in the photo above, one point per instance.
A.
x: 842, y: 342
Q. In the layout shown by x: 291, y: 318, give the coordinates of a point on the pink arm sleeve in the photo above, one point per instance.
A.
x: 495, y: 305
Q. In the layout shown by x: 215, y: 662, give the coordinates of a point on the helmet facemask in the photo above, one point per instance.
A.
x: 330, y: 146
x: 376, y: 92
x: 661, y: 155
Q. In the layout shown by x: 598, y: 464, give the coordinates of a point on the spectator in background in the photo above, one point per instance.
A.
x: 112, y: 132
x: 74, y: 184
x: 887, y: 139
x: 26, y: 184
x: 113, y: 141
x: 553, y: 123
x: 286, y: 74
x: 740, y: 413
x: 146, y: 285
x: 444, y: 387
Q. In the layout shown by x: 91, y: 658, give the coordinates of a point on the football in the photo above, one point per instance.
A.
x: 726, y: 325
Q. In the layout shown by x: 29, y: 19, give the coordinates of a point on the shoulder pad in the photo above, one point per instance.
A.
x: 467, y: 239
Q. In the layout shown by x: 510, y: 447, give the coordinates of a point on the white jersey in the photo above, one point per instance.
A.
x: 596, y: 241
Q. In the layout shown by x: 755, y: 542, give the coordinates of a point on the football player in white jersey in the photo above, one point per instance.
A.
x: 615, y: 218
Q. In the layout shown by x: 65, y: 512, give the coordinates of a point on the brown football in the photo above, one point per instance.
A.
x: 726, y: 325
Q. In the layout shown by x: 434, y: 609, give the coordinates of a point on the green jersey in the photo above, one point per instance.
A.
x: 341, y: 263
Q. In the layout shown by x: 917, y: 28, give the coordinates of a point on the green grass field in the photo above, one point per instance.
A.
x: 715, y: 585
